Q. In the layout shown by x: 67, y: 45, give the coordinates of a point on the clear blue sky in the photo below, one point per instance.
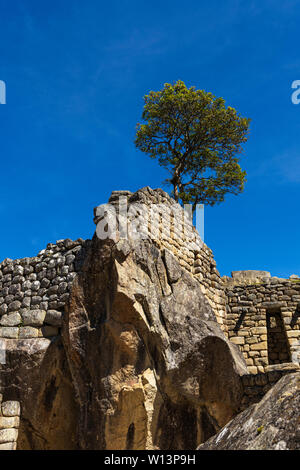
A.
x: 76, y: 72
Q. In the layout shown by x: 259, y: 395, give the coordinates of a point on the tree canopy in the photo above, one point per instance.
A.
x: 197, y: 139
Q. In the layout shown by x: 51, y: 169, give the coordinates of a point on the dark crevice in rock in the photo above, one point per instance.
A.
x: 130, y: 437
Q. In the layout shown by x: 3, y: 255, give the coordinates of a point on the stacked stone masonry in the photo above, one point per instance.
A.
x: 9, y: 424
x: 257, y: 385
x: 263, y: 319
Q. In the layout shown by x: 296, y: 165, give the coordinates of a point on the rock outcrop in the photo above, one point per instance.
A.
x: 271, y: 424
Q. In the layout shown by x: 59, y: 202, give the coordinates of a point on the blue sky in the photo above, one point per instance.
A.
x: 76, y: 73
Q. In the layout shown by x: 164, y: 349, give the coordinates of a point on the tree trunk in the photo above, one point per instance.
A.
x: 176, y: 196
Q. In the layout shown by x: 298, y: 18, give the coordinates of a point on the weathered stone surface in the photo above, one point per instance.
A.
x: 8, y: 435
x: 250, y: 275
x: 28, y: 332
x: 33, y: 317
x: 9, y: 422
x: 8, y: 446
x: 9, y: 332
x: 49, y: 331
x: 271, y: 424
x: 10, y: 408
x: 54, y: 318
x: 165, y: 363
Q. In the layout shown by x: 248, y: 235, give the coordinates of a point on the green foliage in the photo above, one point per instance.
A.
x: 196, y: 138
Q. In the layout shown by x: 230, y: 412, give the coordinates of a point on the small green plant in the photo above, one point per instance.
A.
x: 259, y: 430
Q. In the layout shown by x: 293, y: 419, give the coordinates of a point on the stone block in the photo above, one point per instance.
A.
x: 8, y: 435
x: 14, y: 306
x: 237, y: 340
x: 9, y: 332
x: 33, y: 317
x: 252, y: 369
x: 49, y: 331
x: 12, y: 319
x: 53, y: 318
x: 8, y: 446
x: 259, y: 346
x: 260, y: 330
x: 9, y: 422
x: 10, y: 408
x: 272, y: 305
x: 261, y: 379
x: 293, y: 334
x: 28, y: 332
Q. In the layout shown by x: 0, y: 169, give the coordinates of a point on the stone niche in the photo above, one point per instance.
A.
x: 278, y: 347
x: 263, y: 318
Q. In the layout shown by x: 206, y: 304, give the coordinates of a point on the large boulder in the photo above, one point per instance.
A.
x: 149, y: 363
x: 271, y: 424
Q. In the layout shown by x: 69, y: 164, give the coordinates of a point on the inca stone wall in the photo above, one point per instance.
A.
x: 169, y: 228
x: 257, y: 385
x: 263, y: 318
x: 9, y: 424
x: 33, y: 291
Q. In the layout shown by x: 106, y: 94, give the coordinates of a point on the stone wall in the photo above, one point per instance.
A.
x: 263, y: 318
x: 257, y: 385
x: 205, y: 271
x: 9, y: 424
x: 33, y: 291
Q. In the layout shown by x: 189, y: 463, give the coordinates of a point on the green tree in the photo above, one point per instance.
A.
x: 197, y: 139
